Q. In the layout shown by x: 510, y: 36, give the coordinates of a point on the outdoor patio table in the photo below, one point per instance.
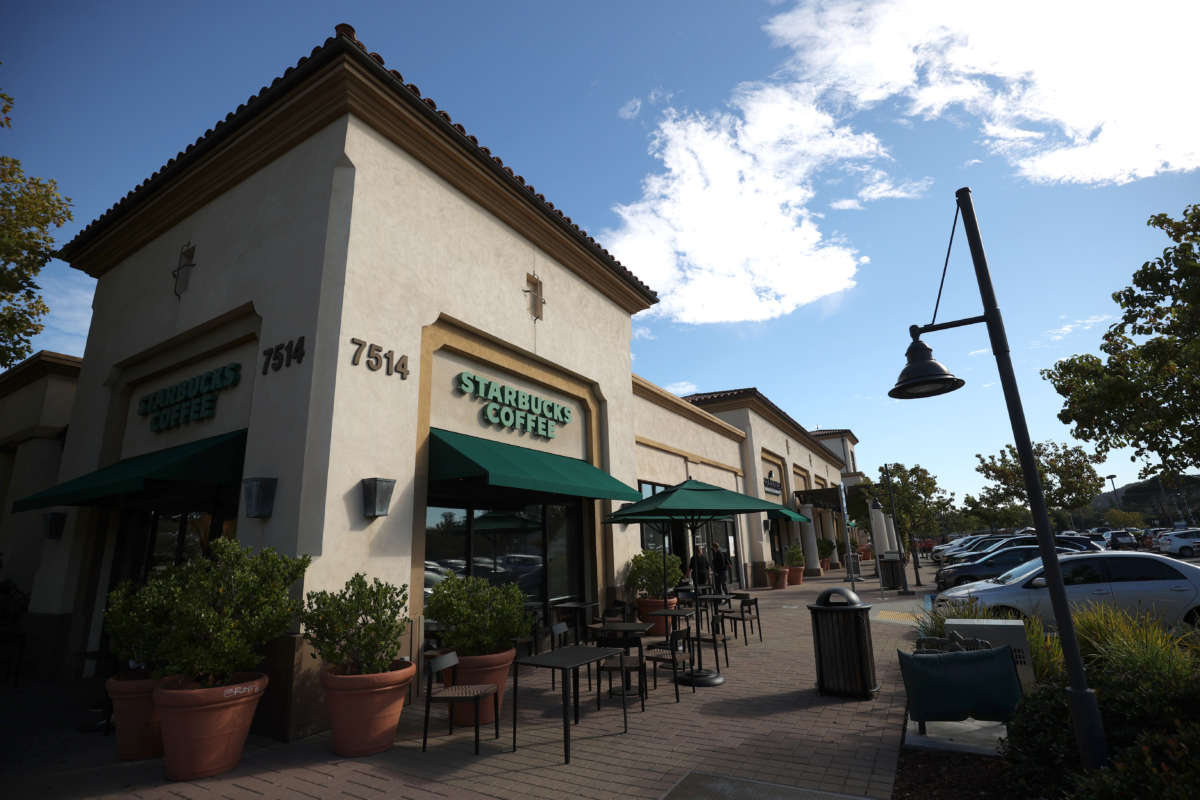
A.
x: 569, y: 660
x: 578, y: 609
x: 675, y: 614
x: 628, y: 632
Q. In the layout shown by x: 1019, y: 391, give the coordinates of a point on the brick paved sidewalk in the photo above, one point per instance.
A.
x: 766, y: 723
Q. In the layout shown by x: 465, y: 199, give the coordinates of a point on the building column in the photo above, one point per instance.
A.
x: 879, y: 538
x: 893, y: 542
x: 808, y: 538
x: 839, y: 533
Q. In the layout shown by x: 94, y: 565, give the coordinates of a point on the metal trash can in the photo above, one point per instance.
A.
x: 891, y: 571
x: 842, y: 640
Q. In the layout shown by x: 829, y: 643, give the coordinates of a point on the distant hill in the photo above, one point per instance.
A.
x: 1161, y: 507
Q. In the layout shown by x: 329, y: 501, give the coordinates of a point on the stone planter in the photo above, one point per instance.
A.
x: 778, y: 578
x: 204, y: 730
x: 795, y: 576
x: 139, y: 735
x: 662, y: 625
x: 491, y: 668
x: 365, y: 709
x: 825, y: 563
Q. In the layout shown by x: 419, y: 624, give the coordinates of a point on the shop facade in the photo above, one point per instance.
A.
x: 337, y: 326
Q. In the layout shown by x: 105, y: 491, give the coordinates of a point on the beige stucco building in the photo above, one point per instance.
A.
x: 336, y: 288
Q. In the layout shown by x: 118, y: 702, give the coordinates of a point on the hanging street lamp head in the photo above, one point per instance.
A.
x: 923, y: 376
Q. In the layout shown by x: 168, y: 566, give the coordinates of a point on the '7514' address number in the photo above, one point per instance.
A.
x: 376, y: 359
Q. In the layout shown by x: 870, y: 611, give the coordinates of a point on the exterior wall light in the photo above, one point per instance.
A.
x: 377, y: 496
x: 258, y: 494
x: 56, y: 521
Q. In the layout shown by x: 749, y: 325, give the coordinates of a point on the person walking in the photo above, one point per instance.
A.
x: 720, y: 567
x: 698, y: 568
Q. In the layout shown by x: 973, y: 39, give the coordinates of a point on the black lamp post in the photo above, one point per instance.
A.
x: 925, y: 377
x: 896, y: 523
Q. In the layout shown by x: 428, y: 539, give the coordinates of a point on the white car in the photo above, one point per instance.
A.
x: 939, y: 550
x: 1184, y: 544
x: 1136, y: 582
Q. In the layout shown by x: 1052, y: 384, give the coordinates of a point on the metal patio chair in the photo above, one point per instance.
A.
x: 677, y: 651
x: 456, y: 693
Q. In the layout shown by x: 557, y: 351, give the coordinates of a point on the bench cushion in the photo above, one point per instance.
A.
x: 948, y: 687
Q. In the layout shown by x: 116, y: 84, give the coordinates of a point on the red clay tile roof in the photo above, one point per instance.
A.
x: 345, y: 41
x: 705, y: 398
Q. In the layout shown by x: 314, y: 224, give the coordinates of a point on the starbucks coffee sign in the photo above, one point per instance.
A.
x: 188, y: 401
x: 514, y: 409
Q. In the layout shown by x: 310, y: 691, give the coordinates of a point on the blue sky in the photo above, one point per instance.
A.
x: 782, y: 173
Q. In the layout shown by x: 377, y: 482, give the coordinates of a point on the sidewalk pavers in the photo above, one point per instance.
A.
x: 766, y: 725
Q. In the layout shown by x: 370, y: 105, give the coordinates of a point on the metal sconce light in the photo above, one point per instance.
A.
x: 56, y: 521
x: 766, y: 525
x: 183, y: 273
x: 377, y: 496
x: 259, y: 496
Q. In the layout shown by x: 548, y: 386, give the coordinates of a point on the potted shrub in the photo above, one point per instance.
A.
x: 136, y: 621
x: 777, y: 577
x: 356, y: 632
x: 795, y: 562
x: 824, y: 552
x: 645, y: 580
x: 481, y: 623
x: 223, y: 610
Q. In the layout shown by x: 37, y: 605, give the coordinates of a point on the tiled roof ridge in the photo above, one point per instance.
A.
x: 829, y: 431
x: 345, y: 32
x: 751, y: 391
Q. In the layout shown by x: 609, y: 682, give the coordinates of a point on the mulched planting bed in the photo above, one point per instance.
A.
x: 946, y: 775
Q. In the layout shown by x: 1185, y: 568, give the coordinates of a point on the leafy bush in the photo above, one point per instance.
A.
x: 138, y: 620
x: 224, y: 609
x: 1165, y: 766
x: 795, y: 556
x: 646, y: 573
x: 825, y: 548
x: 841, y: 548
x: 1144, y: 678
x: 1045, y: 652
x: 357, y: 629
x: 478, y: 618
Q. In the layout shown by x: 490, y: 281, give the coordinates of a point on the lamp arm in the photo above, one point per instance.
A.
x: 917, y: 330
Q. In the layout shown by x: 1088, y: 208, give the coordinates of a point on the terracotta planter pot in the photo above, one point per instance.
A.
x: 138, y: 733
x: 778, y: 578
x: 662, y: 625
x: 365, y: 709
x: 825, y: 563
x: 493, y: 669
x: 795, y: 576
x: 204, y: 730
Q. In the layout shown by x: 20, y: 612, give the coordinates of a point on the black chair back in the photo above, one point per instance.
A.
x: 438, y: 664
x: 557, y: 631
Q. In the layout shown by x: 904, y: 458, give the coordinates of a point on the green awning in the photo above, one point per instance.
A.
x: 457, y: 456
x: 216, y: 460
x: 787, y: 513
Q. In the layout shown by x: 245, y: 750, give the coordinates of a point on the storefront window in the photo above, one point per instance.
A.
x: 176, y: 538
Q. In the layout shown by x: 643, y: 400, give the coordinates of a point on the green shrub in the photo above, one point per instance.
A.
x: 794, y: 556
x: 478, y: 618
x: 645, y: 574
x: 932, y: 621
x: 825, y: 548
x: 224, y: 609
x: 1162, y: 765
x: 138, y: 620
x: 1045, y: 653
x: 1144, y: 676
x: 357, y: 629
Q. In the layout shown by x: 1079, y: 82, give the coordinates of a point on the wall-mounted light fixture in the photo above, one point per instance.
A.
x: 183, y: 272
x: 377, y: 496
x: 56, y: 521
x: 258, y: 494
x: 766, y: 525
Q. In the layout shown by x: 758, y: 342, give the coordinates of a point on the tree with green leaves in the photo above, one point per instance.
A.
x: 1145, y: 392
x: 1069, y: 480
x: 918, y: 499
x: 29, y: 208
x: 1116, y: 518
x: 996, y: 515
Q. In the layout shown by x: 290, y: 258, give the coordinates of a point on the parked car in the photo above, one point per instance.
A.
x: 990, y: 565
x: 1136, y: 582
x: 1073, y: 543
x: 1119, y: 540
x: 1184, y: 544
x: 976, y: 545
x: 954, y: 544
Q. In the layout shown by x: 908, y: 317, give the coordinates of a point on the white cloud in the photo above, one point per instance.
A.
x: 879, y: 186
x: 68, y: 293
x: 1077, y: 325
x: 970, y: 162
x: 847, y: 204
x: 630, y: 109
x: 1041, y: 79
x: 681, y: 388
x: 980, y: 352
x: 659, y: 95
x: 642, y: 332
